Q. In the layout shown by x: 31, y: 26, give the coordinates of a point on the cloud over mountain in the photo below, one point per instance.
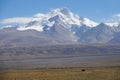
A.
x: 113, y: 21
x: 16, y: 20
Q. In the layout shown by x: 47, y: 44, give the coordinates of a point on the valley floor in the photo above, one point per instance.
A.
x: 75, y: 62
x: 98, y: 73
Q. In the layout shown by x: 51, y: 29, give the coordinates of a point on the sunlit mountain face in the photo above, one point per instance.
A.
x: 59, y: 26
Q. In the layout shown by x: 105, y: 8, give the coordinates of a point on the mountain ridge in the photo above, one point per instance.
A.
x: 60, y: 26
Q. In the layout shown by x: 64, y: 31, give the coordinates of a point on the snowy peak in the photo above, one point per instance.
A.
x: 88, y: 22
x: 73, y: 19
x: 58, y: 11
x: 65, y: 11
x: 66, y: 16
x: 63, y: 16
x: 114, y: 24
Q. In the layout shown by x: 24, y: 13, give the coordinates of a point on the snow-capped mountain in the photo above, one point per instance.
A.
x: 59, y: 26
x: 62, y: 16
x: 113, y: 24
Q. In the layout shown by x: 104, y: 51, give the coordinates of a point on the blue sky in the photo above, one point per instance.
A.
x: 97, y: 10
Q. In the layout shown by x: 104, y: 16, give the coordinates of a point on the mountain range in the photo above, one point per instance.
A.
x: 59, y: 26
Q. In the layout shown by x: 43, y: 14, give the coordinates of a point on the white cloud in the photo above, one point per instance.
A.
x: 117, y: 15
x: 16, y: 20
x: 114, y: 18
x: 113, y: 21
x: 39, y: 15
x: 22, y: 20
